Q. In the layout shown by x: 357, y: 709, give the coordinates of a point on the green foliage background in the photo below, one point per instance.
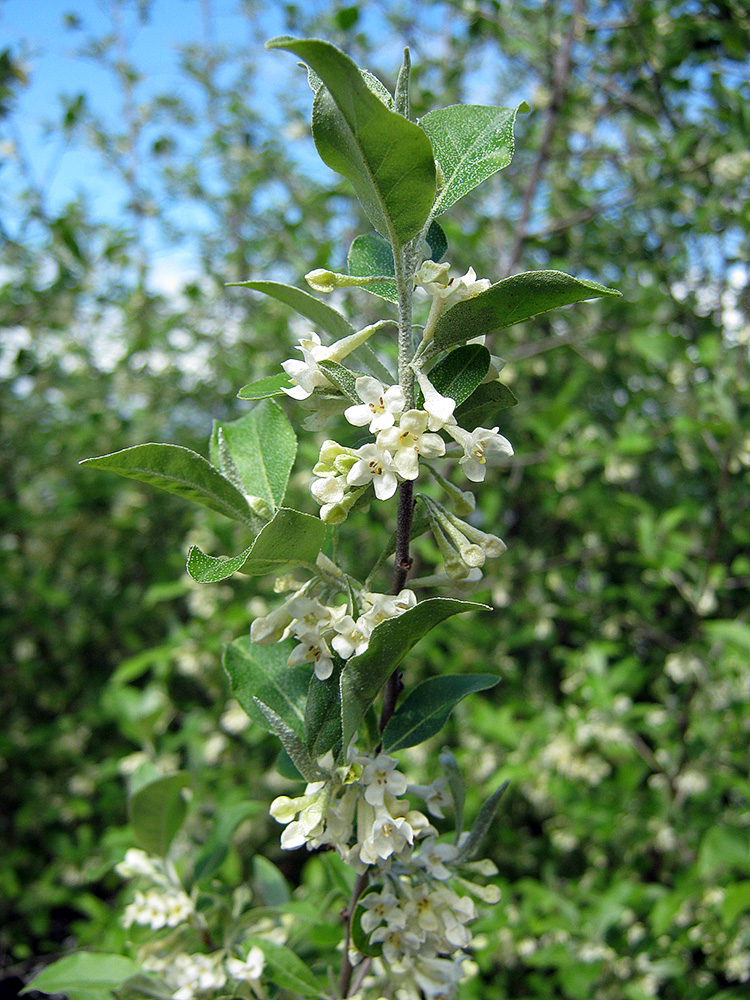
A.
x: 621, y: 633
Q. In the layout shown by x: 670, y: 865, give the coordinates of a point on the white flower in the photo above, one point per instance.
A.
x: 433, y: 857
x: 158, y: 908
x: 250, y: 968
x: 374, y: 466
x: 433, y: 277
x: 481, y: 447
x: 380, y: 607
x: 352, y: 637
x: 388, y: 835
x: 408, y: 441
x: 465, y: 287
x: 312, y: 649
x: 306, y: 374
x: 382, y: 908
x: 380, y: 777
x: 137, y: 862
x: 436, y: 796
x: 439, y: 408
x: 379, y: 407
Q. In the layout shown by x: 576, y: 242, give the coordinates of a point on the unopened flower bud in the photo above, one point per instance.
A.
x: 260, y: 507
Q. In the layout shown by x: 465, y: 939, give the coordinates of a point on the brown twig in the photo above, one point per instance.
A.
x: 559, y: 86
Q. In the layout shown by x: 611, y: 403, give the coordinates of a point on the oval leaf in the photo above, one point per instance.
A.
x: 459, y: 374
x: 264, y: 388
x: 288, y: 970
x: 471, y: 142
x: 290, y: 539
x: 364, y: 675
x: 180, y: 471
x: 262, y: 446
x: 371, y: 256
x: 323, y: 713
x: 484, y: 404
x: 86, y: 975
x: 387, y: 158
x: 426, y: 708
x: 156, y: 812
x: 514, y: 300
x: 262, y: 672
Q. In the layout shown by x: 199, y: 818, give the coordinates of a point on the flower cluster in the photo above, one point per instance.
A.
x: 321, y: 628
x: 192, y: 975
x: 166, y: 904
x: 412, y: 910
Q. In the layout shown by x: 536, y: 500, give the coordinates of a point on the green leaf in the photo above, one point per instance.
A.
x: 263, y: 447
x: 215, y: 851
x: 513, y: 300
x: 364, y: 675
x: 483, y: 405
x: 273, y: 385
x: 323, y: 712
x: 85, y: 975
x: 321, y: 314
x: 342, y: 378
x: 271, y: 884
x: 371, y: 256
x: 156, y: 812
x: 437, y: 242
x: 481, y: 825
x: 291, y: 743
x: 459, y: 373
x: 139, y: 986
x: 736, y: 902
x: 262, y: 672
x: 387, y: 158
x: 426, y: 708
x: 290, y: 539
x: 457, y: 787
x: 180, y: 471
x: 288, y: 970
x: 471, y: 142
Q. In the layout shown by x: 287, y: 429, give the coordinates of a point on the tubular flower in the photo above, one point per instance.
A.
x: 379, y: 408
x: 408, y: 441
x: 482, y: 447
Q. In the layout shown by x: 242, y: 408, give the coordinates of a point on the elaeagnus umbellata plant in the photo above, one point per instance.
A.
x: 326, y: 670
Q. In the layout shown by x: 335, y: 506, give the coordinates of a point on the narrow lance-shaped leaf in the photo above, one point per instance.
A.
x: 387, y: 158
x: 514, y: 300
x: 457, y: 787
x: 291, y: 538
x: 180, y: 471
x: 481, y: 825
x: 262, y: 672
x: 364, y: 675
x: 292, y: 744
x: 319, y: 313
x: 263, y: 447
x: 471, y: 142
x: 426, y: 708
